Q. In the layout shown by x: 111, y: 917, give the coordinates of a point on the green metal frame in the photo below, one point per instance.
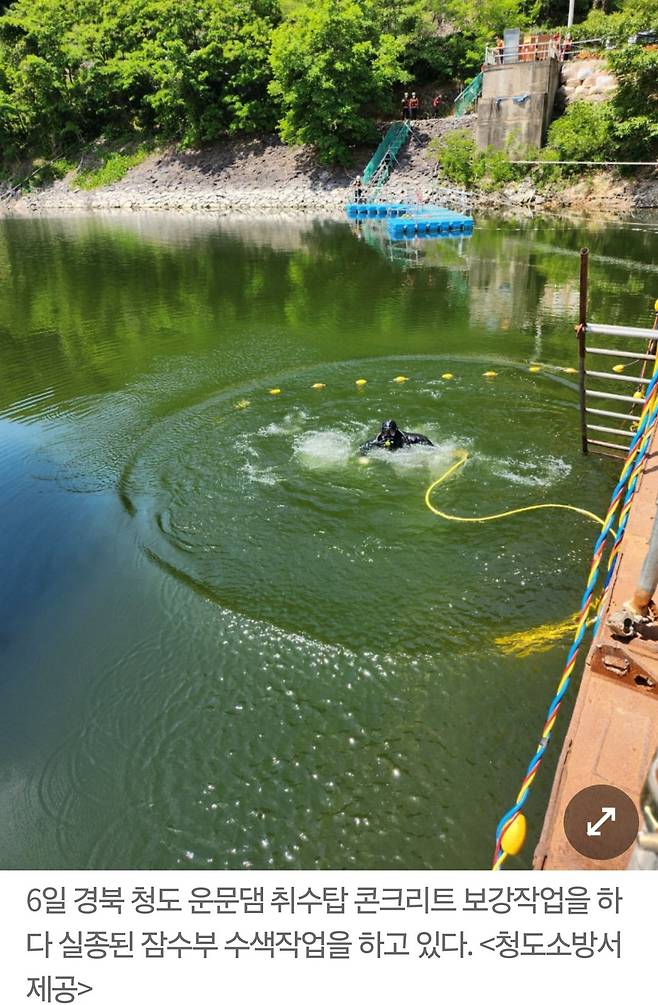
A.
x: 394, y: 139
x: 468, y: 96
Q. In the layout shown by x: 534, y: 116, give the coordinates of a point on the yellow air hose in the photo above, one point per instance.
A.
x: 495, y: 516
x: 542, y: 637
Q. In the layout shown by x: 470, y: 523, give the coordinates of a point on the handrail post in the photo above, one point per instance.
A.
x: 582, y: 330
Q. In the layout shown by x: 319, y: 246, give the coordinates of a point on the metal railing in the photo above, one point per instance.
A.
x: 394, y: 139
x: 524, y: 52
x: 379, y: 179
x: 454, y: 196
x: 594, y: 384
x: 468, y: 96
x: 531, y: 52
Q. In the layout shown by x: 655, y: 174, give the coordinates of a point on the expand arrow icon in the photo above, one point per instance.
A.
x: 594, y: 830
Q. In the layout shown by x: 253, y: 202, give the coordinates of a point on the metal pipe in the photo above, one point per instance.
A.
x: 572, y: 9
x: 613, y: 397
x: 582, y: 328
x: 591, y: 163
x: 649, y: 573
x: 621, y: 447
x: 626, y: 331
x: 596, y: 351
x: 609, y: 429
x: 648, y: 580
x: 611, y: 415
x: 617, y: 376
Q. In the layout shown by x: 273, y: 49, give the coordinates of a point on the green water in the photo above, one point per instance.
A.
x: 223, y: 641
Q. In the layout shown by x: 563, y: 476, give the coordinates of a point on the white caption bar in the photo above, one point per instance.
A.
x: 329, y: 937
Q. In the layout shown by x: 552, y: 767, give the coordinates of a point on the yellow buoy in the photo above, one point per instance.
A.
x: 275, y: 390
x: 514, y: 836
x: 243, y: 403
x: 361, y: 382
x: 318, y: 387
x: 619, y: 368
x: 655, y: 307
x: 447, y: 376
x: 534, y: 369
x: 569, y: 369
x: 400, y: 380
x: 638, y: 395
x: 490, y: 373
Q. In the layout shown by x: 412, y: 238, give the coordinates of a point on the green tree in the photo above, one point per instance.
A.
x: 479, y: 24
x: 458, y: 157
x: 584, y: 132
x: 334, y: 64
x: 73, y: 69
x: 635, y: 103
x: 207, y: 68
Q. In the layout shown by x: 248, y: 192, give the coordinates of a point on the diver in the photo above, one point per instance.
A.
x: 391, y: 437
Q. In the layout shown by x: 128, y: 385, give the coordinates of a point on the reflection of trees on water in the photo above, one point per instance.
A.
x: 528, y: 275
x: 521, y: 274
x: 89, y: 304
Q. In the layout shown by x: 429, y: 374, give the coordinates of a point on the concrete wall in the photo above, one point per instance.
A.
x: 499, y: 116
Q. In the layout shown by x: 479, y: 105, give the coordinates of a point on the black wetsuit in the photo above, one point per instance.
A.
x: 398, y: 440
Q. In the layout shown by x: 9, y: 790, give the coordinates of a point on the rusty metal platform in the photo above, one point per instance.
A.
x: 614, y: 727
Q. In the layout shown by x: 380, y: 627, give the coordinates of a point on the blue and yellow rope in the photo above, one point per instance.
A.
x: 621, y: 496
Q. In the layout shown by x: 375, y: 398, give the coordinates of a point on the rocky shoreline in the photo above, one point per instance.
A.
x: 262, y: 177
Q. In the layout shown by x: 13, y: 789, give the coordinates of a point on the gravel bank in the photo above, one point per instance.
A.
x: 262, y: 176
x: 253, y: 176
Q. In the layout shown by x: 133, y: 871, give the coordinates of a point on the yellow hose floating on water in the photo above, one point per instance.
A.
x: 531, y: 640
x: 495, y: 516
x: 540, y: 639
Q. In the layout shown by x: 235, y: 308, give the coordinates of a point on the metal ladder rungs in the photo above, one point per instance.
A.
x: 612, y: 415
x: 646, y: 354
x: 614, y: 397
x: 613, y: 446
x: 597, y: 351
x: 617, y: 376
x: 625, y: 331
x: 610, y: 429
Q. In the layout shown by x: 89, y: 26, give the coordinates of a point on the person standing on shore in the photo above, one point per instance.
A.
x: 358, y: 189
x: 405, y: 105
x: 437, y: 102
x: 414, y: 105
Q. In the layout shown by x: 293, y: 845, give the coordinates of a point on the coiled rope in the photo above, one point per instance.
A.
x: 622, y: 495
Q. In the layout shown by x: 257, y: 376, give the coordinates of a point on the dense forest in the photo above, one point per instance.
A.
x: 317, y: 72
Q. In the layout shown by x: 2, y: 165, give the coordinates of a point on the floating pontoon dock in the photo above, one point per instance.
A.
x: 406, y: 220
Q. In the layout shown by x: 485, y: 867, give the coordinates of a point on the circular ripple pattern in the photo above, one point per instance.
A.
x: 263, y: 504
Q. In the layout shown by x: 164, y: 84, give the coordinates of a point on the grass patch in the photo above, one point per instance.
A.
x: 36, y: 174
x: 111, y: 170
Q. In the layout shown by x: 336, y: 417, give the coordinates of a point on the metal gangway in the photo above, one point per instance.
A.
x: 468, y: 96
x: 608, y: 418
x: 378, y: 168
